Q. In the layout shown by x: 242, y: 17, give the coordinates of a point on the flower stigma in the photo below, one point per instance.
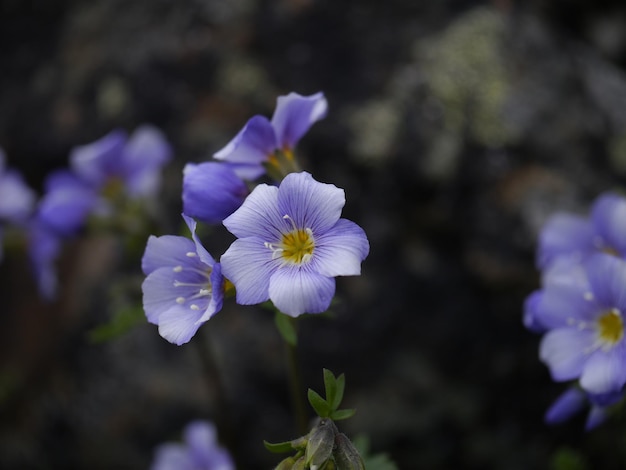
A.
x: 295, y: 247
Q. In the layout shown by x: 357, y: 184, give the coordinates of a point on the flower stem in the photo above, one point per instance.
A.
x: 295, y: 385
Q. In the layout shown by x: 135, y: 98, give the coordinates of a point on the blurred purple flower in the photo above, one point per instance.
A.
x: 101, y: 171
x: 184, y: 286
x: 291, y: 244
x: 44, y: 246
x: 573, y: 400
x: 212, y: 191
x: 199, y: 451
x: 260, y: 139
x: 17, y: 200
x: 585, y: 327
x: 575, y: 236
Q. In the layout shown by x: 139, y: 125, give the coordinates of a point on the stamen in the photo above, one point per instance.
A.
x: 190, y: 254
x: 194, y: 307
x: 588, y: 296
x: 178, y: 269
x: 180, y: 300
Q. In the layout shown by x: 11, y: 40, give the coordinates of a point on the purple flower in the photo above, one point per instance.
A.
x: 261, y: 140
x: 200, y: 451
x: 102, y: 171
x: 585, y: 328
x: 575, y: 236
x: 184, y: 286
x: 573, y: 400
x: 212, y: 191
x: 291, y: 244
x: 16, y: 198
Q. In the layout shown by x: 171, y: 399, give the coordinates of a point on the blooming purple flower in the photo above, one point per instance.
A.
x: 291, y: 244
x: 585, y: 327
x: 571, y: 235
x: 101, y: 171
x: 574, y: 400
x: 17, y: 200
x: 184, y: 286
x: 200, y: 451
x: 212, y: 191
x: 260, y: 139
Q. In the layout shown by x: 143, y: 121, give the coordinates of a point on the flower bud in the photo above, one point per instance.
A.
x: 286, y: 464
x: 300, y: 464
x: 345, y: 454
x: 321, y: 443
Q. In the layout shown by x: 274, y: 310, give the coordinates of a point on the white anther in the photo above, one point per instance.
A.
x: 190, y: 254
x: 194, y: 307
x: 178, y: 269
x: 180, y: 300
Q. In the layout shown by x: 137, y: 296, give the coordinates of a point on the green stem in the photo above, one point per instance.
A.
x: 295, y: 385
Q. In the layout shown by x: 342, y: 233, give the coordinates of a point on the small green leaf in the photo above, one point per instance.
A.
x: 340, y: 385
x: 321, y: 406
x: 338, y: 415
x: 330, y: 385
x: 286, y: 328
x: 279, y: 447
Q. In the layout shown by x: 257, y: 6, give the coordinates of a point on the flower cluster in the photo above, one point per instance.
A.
x: 581, y: 305
x: 105, y: 180
x: 291, y: 240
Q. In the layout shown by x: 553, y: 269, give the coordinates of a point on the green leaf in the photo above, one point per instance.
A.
x: 340, y: 385
x: 330, y: 385
x: 279, y: 447
x: 286, y: 328
x: 321, y: 406
x: 338, y: 415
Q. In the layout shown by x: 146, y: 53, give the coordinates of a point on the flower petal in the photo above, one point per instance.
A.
x: 252, y: 145
x: 203, y: 254
x: 340, y: 251
x: 17, y: 200
x: 211, y: 191
x: 179, y: 323
x: 295, y: 114
x: 564, y: 234
x: 66, y: 210
x: 166, y: 251
x: 605, y: 371
x: 295, y: 291
x: 172, y: 456
x: 143, y: 157
x: 563, y: 351
x: 560, y: 304
x: 258, y: 216
x: 309, y: 203
x: 609, y: 218
x: 567, y: 405
x: 248, y: 264
x: 597, y: 416
x: 97, y: 161
x: 607, y: 277
x: 159, y: 293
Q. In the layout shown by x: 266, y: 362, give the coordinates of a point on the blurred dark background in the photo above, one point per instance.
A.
x: 456, y: 127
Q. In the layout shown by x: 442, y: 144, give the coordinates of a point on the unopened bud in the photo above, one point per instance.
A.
x: 286, y: 464
x: 346, y: 455
x: 300, y: 464
x: 321, y: 443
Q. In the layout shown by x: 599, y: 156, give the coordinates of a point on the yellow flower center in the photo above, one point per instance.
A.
x: 611, y: 327
x: 295, y: 246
